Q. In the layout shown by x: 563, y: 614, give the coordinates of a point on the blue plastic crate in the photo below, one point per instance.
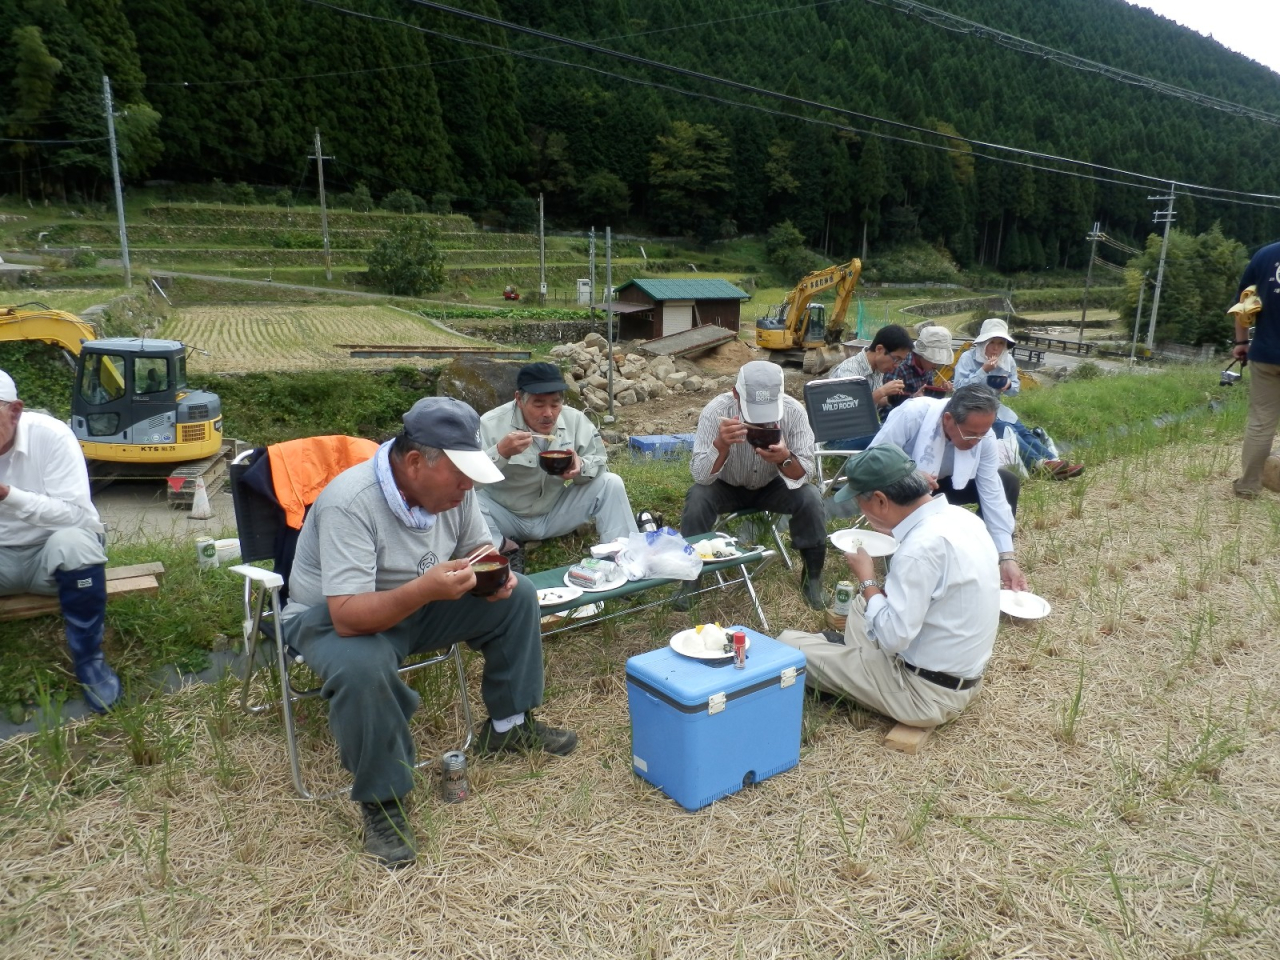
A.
x: 701, y: 730
x: 660, y: 445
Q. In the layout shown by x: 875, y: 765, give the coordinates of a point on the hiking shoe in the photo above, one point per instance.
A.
x: 683, y: 598
x: 1061, y: 470
x: 387, y: 836
x: 530, y: 735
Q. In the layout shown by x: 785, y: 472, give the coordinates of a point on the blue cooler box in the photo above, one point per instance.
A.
x: 701, y: 730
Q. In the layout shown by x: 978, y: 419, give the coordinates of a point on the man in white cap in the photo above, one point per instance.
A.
x: 931, y: 350
x: 730, y: 474
x: 51, y: 537
x: 376, y: 579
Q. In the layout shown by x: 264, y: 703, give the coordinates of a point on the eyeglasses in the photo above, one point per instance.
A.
x: 960, y: 431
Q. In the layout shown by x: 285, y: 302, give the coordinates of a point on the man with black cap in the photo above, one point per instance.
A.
x: 915, y: 648
x: 529, y: 503
x: 51, y: 537
x: 730, y: 474
x: 376, y: 579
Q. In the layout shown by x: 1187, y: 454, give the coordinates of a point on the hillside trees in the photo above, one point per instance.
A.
x: 408, y: 261
x: 690, y: 176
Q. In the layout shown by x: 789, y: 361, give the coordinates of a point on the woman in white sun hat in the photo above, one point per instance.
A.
x: 990, y: 361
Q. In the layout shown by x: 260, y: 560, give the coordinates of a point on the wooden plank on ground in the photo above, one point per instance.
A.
x: 155, y: 569
x: 693, y: 340
x: 907, y: 739
x: 26, y: 605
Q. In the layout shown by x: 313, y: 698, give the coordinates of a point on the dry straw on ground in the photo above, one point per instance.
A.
x: 1113, y: 793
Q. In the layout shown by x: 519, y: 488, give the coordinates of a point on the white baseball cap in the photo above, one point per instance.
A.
x: 8, y: 389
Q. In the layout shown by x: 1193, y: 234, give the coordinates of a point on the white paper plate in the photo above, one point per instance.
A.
x: 1023, y: 605
x: 611, y: 585
x: 686, y: 642
x: 554, y: 596
x: 876, y: 544
x: 717, y: 543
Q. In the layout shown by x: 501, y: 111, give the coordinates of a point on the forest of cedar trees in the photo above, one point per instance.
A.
x: 233, y: 91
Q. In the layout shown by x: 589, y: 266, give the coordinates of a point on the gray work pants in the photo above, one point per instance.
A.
x: 30, y: 568
x: 603, y: 500
x: 1260, y: 427
x: 370, y: 705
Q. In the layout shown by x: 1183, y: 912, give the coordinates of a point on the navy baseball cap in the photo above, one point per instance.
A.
x: 452, y: 426
x: 541, y: 378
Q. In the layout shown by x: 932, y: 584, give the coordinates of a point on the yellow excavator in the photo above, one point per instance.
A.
x: 798, y: 329
x: 131, y: 409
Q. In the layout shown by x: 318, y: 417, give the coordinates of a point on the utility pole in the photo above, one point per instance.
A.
x: 115, y: 174
x: 608, y: 306
x: 1165, y: 217
x: 1093, y: 236
x: 1133, y: 349
x: 542, y: 256
x: 591, y: 246
x: 320, y: 158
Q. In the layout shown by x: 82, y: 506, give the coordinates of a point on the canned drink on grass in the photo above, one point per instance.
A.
x: 453, y: 777
x: 206, y: 553
x: 843, y: 599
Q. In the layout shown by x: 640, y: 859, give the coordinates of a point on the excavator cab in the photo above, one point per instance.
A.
x: 132, y: 404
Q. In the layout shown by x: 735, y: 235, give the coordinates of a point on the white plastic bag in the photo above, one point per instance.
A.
x: 659, y: 554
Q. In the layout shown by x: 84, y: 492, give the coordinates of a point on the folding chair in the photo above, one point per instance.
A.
x: 265, y: 536
x: 774, y: 521
x: 839, y: 410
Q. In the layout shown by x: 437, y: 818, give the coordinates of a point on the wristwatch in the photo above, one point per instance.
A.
x: 863, y: 584
x: 786, y: 463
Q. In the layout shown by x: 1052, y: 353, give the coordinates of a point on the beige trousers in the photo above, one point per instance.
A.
x: 860, y: 670
x: 1260, y: 427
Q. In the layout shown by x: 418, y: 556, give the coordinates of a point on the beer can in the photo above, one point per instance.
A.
x: 453, y: 777
x: 206, y: 553
x: 843, y: 599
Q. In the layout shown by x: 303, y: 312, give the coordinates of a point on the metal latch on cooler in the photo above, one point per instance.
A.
x: 715, y: 703
x: 788, y: 677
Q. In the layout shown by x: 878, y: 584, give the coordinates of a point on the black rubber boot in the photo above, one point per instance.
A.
x: 82, y: 594
x: 684, y: 596
x: 811, y: 577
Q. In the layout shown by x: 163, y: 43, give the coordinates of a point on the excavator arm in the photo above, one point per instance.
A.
x: 789, y: 328
x: 36, y: 321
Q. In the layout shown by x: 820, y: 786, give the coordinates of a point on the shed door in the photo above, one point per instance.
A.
x: 677, y: 315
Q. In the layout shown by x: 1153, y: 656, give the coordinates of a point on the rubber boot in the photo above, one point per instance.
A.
x: 811, y: 577
x: 685, y: 594
x: 83, y: 596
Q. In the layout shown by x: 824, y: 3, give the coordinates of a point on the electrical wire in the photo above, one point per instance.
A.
x: 54, y: 142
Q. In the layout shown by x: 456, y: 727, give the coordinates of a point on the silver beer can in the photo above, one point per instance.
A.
x: 843, y: 599
x: 453, y: 777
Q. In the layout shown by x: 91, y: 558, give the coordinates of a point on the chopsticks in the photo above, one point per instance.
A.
x: 483, y: 550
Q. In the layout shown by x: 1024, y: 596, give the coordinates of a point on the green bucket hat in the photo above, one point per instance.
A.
x: 874, y: 469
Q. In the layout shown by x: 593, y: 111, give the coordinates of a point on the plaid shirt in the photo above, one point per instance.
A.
x: 912, y: 377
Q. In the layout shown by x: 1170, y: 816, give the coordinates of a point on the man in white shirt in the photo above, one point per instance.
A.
x: 914, y: 649
x: 729, y: 473
x: 51, y: 537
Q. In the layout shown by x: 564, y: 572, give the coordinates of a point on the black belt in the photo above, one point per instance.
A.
x: 943, y: 679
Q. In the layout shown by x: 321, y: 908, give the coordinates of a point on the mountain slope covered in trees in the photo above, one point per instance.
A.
x: 234, y: 90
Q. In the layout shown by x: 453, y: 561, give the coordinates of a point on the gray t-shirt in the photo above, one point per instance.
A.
x: 352, y: 543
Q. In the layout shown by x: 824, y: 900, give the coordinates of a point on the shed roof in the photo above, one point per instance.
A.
x: 688, y: 289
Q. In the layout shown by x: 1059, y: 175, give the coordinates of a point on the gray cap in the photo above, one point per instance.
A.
x: 760, y: 392
x: 934, y: 344
x: 450, y: 425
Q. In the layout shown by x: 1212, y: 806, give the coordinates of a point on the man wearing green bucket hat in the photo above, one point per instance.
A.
x: 915, y: 648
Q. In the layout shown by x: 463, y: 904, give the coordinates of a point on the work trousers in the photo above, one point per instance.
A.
x: 860, y: 670
x: 603, y: 500
x: 969, y: 492
x: 370, y: 705
x: 705, y: 503
x: 30, y: 568
x: 1260, y: 426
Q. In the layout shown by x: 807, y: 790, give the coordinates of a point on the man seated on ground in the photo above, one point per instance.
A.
x: 50, y: 535
x: 889, y: 347
x: 952, y: 442
x: 530, y: 504
x: 931, y: 350
x: 914, y: 649
x: 376, y: 580
x: 730, y: 474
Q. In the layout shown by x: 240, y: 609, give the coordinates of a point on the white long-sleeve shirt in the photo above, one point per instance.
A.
x: 941, y: 603
x: 48, y: 483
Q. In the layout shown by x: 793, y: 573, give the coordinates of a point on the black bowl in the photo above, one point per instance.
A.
x: 555, y: 462
x: 937, y: 393
x: 761, y: 437
x: 491, y: 572
x: 997, y: 381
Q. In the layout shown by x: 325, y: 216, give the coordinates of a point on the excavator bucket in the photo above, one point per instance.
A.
x: 821, y: 359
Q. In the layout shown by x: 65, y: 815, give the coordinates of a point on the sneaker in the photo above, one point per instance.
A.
x: 530, y: 735
x: 1061, y: 470
x: 387, y: 835
x: 683, y: 598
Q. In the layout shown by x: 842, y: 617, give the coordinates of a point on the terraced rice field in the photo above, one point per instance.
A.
x: 254, y: 338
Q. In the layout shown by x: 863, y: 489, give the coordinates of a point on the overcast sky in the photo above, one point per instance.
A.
x: 1251, y: 27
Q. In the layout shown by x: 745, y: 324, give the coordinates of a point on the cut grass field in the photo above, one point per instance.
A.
x: 1114, y: 791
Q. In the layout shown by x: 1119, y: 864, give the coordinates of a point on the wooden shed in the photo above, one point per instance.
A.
x: 648, y: 309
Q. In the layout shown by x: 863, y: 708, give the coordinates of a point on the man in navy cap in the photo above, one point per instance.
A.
x: 529, y: 503
x: 376, y: 579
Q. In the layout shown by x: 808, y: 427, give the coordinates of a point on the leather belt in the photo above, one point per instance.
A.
x: 942, y: 679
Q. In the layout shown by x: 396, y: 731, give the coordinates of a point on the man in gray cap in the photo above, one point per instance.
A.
x: 377, y: 578
x: 730, y: 474
x: 50, y: 535
x: 530, y: 504
x: 915, y: 648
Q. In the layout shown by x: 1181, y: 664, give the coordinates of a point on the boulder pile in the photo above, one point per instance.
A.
x: 635, y: 378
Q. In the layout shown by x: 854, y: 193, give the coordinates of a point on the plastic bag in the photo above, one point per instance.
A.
x: 659, y: 553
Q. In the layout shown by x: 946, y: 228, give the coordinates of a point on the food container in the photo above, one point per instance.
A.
x: 997, y: 381
x: 592, y: 573
x: 555, y: 462
x: 761, y: 437
x: 491, y: 572
x: 701, y: 730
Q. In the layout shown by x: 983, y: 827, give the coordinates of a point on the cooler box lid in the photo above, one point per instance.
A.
x: 689, y: 684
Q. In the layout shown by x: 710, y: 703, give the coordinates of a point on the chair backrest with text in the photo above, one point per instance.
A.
x: 840, y: 409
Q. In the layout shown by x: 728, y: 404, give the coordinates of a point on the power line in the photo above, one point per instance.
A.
x: 54, y: 142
